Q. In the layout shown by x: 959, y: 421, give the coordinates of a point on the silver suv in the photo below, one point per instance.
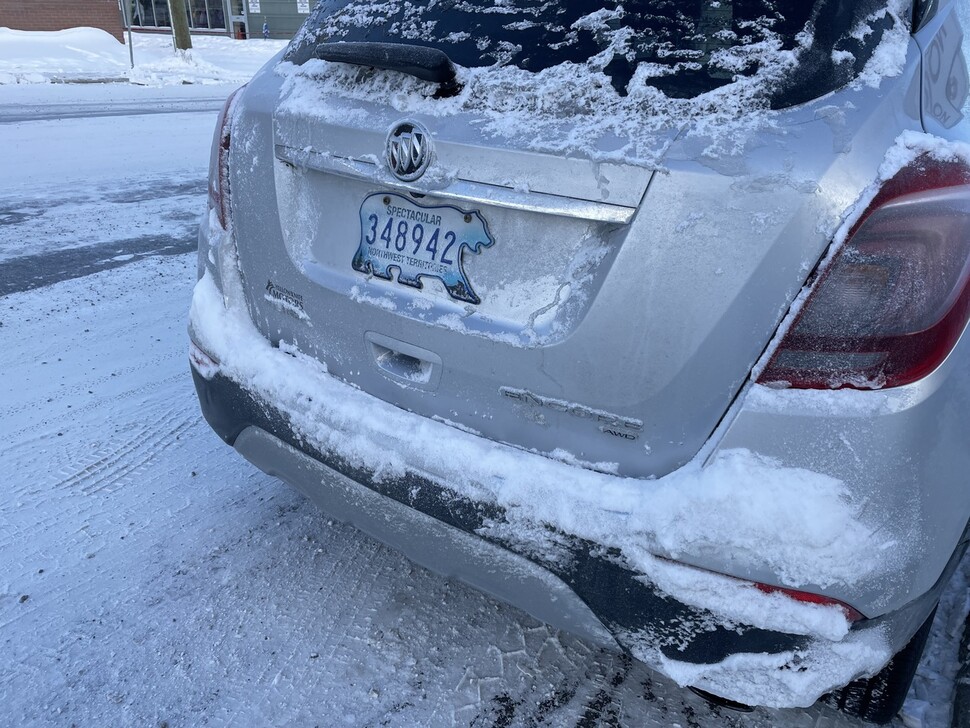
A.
x: 647, y: 317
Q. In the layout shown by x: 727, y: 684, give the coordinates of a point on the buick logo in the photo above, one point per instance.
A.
x: 408, y: 150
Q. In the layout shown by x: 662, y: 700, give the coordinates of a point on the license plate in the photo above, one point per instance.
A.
x: 420, y: 242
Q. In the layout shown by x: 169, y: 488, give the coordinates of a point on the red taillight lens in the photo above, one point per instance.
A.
x: 853, y: 615
x: 219, y: 162
x: 896, y: 298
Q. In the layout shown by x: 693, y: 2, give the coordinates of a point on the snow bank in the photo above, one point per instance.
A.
x: 86, y: 54
x: 37, y: 57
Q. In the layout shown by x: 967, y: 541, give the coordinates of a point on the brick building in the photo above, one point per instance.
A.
x: 62, y: 14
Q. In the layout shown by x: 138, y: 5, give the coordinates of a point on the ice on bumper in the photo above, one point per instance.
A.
x: 784, y: 680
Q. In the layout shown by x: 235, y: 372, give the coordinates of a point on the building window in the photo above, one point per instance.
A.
x: 150, y: 14
x: 202, y: 14
x: 207, y: 15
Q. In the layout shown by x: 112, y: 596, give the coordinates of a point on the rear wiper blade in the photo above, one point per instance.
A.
x: 428, y: 64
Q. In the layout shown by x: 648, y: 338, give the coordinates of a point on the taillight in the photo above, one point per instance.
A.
x: 219, y: 162
x: 896, y: 297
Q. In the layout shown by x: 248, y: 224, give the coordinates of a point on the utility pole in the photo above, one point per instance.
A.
x: 180, y: 24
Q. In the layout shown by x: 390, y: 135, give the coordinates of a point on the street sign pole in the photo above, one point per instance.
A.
x: 171, y: 23
x: 123, y: 4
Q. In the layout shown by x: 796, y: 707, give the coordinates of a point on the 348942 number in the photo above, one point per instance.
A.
x: 401, y: 234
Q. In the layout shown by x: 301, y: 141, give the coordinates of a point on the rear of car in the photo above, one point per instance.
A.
x: 645, y: 317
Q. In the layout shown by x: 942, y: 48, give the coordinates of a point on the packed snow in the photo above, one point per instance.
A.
x: 155, y: 577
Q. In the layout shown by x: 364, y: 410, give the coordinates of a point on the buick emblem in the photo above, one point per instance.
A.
x: 408, y: 150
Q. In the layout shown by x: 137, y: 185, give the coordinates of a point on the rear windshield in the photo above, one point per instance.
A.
x: 684, y: 48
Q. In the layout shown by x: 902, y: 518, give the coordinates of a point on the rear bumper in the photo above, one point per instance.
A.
x: 592, y: 596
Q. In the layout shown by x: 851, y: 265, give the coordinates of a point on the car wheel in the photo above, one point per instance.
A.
x: 878, y: 698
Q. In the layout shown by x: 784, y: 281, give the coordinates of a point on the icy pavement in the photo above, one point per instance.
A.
x: 147, y: 184
x: 151, y: 575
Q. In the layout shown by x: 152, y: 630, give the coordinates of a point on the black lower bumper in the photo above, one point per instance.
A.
x: 623, y: 601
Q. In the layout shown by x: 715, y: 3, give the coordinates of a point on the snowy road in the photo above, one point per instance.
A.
x: 73, y: 101
x: 77, y: 111
x: 151, y: 575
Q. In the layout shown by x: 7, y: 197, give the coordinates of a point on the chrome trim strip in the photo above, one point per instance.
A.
x: 462, y: 190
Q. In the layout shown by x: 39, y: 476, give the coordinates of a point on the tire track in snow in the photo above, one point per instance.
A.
x: 115, y: 463
x: 36, y: 404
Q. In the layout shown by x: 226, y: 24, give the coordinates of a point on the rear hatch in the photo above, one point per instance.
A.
x: 527, y: 258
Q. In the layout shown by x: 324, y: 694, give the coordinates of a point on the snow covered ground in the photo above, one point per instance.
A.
x: 150, y: 574
x: 88, y: 54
